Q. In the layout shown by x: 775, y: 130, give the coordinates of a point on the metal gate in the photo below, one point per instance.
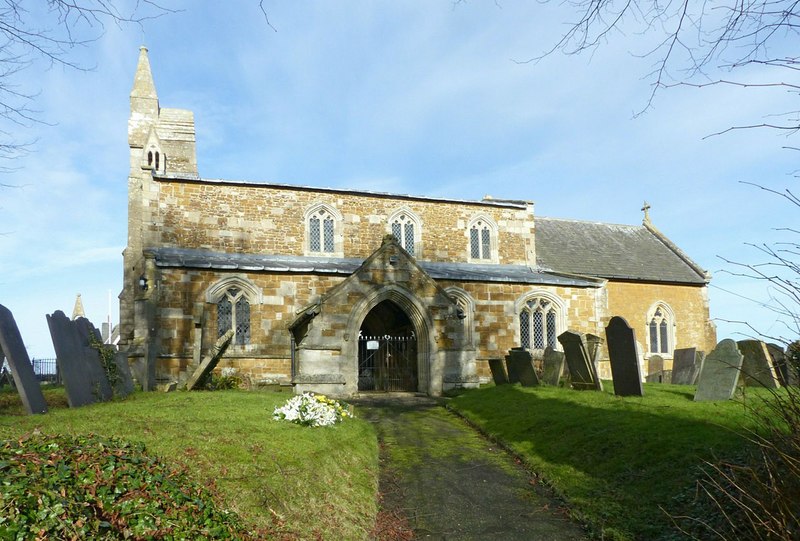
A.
x: 387, y: 363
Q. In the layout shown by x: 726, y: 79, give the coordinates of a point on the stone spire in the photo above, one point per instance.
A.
x: 77, y: 311
x: 144, y: 103
x: 143, y: 85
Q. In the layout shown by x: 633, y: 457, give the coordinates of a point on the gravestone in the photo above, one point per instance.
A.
x: 210, y: 361
x: 779, y: 362
x: 720, y: 373
x: 81, y: 371
x: 520, y: 363
x: 124, y: 384
x: 624, y: 358
x: 686, y: 366
x: 88, y: 335
x: 511, y: 370
x: 757, y: 367
x: 593, y: 343
x: 13, y: 348
x: 655, y: 369
x: 498, y: 368
x: 553, y: 366
x: 576, y: 353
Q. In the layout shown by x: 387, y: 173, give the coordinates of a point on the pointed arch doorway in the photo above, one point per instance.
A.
x: 387, y: 350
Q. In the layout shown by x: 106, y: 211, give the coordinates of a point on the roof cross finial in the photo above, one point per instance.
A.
x: 646, y: 209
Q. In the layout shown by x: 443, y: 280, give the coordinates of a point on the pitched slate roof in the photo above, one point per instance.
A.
x: 611, y: 251
x: 204, y: 259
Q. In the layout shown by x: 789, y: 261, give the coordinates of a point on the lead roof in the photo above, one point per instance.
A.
x: 205, y: 259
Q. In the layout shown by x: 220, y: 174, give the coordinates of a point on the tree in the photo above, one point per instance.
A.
x: 34, y: 32
x: 700, y: 43
x: 780, y: 272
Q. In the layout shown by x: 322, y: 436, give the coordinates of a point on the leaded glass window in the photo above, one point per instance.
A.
x: 233, y: 312
x: 538, y: 324
x: 480, y: 240
x: 313, y: 234
x: 403, y: 230
x: 224, y: 316
x: 474, y: 244
x: 327, y: 231
x: 525, y: 327
x: 242, y: 321
x: 321, y: 231
x: 659, y: 331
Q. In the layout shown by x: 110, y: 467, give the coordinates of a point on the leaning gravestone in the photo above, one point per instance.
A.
x: 210, y: 361
x: 498, y: 368
x: 624, y: 358
x: 124, y: 384
x: 655, y: 369
x: 720, y: 373
x: 553, y: 363
x: 686, y: 366
x: 89, y: 336
x: 522, y: 364
x: 25, y: 380
x: 578, y: 361
x: 787, y: 373
x: 757, y: 367
x: 82, y: 372
x: 123, y: 380
x: 779, y: 362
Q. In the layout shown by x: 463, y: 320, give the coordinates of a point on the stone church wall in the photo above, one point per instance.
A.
x: 268, y: 219
x: 692, y: 326
x: 495, y: 324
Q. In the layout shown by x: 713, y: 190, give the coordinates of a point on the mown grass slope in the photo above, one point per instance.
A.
x: 302, y: 482
x: 622, y: 464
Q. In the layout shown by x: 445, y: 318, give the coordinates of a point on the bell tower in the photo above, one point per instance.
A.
x: 142, y: 124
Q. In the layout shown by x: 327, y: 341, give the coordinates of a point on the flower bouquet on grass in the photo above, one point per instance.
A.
x: 309, y: 409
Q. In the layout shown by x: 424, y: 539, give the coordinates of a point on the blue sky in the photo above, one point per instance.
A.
x: 422, y: 97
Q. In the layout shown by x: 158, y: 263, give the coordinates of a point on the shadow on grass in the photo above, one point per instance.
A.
x: 686, y: 394
x: 616, y: 460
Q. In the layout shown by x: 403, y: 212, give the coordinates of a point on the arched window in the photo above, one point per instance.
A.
x: 406, y: 227
x: 150, y: 158
x: 157, y: 160
x: 539, y: 322
x: 233, y: 312
x: 323, y: 231
x: 233, y: 296
x: 482, y: 240
x: 660, y: 329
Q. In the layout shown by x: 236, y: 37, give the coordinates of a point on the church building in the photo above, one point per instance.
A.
x: 343, y: 291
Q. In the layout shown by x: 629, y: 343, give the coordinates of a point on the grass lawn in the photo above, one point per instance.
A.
x: 308, y: 483
x: 616, y: 460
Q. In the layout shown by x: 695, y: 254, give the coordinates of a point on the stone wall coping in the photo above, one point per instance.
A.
x: 504, y: 203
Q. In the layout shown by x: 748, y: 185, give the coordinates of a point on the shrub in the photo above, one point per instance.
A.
x: 756, y: 495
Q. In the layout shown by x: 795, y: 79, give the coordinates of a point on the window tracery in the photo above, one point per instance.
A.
x: 538, y: 323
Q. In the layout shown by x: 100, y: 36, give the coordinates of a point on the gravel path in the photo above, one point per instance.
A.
x: 450, y: 483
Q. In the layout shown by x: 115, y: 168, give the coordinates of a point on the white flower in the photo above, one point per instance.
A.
x: 309, y: 409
